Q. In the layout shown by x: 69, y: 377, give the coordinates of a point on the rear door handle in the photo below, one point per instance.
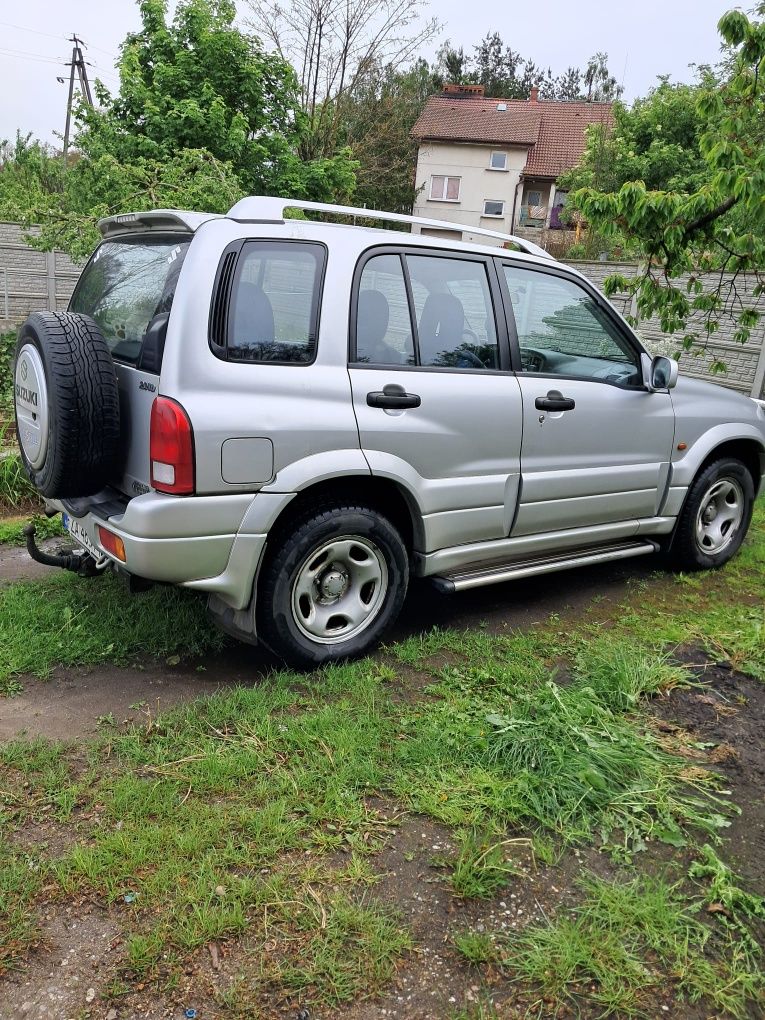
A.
x: 554, y: 401
x: 393, y: 397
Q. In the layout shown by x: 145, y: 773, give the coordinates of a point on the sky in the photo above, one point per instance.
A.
x: 642, y: 40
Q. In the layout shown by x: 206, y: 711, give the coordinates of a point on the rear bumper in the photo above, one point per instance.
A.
x: 210, y: 543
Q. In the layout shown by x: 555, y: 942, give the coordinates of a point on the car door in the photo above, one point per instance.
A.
x: 596, y: 443
x: 437, y: 405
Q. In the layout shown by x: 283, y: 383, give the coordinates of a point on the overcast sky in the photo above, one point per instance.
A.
x: 643, y: 40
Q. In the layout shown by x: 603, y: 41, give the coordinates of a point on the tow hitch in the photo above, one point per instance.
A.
x: 80, y: 562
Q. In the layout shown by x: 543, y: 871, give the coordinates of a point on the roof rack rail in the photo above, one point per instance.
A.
x: 265, y: 209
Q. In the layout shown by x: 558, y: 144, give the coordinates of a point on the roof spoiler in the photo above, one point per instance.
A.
x: 167, y: 220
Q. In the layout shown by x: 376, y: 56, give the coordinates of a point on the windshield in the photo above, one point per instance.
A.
x: 125, y: 285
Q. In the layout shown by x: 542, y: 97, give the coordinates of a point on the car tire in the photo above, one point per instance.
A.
x: 716, y: 516
x: 67, y: 404
x: 332, y: 585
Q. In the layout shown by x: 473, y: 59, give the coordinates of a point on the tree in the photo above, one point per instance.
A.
x: 200, y: 83
x: 713, y: 220
x: 600, y: 84
x: 377, y: 125
x: 333, y: 45
x: 203, y: 116
x: 656, y: 140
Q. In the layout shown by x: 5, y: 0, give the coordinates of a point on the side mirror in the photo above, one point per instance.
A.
x: 662, y: 373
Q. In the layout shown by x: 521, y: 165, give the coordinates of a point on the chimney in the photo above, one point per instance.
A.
x: 534, y: 94
x: 463, y: 91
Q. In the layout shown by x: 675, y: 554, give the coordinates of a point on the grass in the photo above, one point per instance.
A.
x: 12, y: 528
x: 501, y: 743
x: 67, y: 620
x: 622, y: 943
x: 205, y: 818
x: 254, y: 816
x: 15, y: 488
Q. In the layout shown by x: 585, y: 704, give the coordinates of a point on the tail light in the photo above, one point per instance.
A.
x: 171, y: 448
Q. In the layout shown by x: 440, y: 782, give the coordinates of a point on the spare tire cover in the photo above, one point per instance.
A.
x: 67, y: 404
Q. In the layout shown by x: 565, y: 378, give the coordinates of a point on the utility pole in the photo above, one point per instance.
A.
x: 77, y: 64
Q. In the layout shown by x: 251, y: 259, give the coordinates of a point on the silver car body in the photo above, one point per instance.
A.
x: 485, y: 478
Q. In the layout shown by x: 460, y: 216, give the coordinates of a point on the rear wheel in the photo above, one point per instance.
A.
x: 716, y: 516
x: 332, y: 585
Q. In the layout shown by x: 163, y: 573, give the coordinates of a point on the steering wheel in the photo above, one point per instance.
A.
x: 471, y: 358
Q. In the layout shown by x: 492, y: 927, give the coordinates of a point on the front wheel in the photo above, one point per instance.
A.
x: 716, y: 516
x: 332, y: 585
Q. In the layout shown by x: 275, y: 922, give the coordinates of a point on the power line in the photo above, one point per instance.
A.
x: 49, y: 35
x: 30, y: 56
x: 34, y: 31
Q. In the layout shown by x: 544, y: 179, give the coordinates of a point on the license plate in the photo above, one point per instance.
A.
x: 81, y: 537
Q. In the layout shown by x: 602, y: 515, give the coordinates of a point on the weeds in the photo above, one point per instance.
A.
x: 476, y: 947
x: 12, y: 529
x: 480, y: 868
x: 15, y: 488
x: 70, y: 621
x: 607, y: 953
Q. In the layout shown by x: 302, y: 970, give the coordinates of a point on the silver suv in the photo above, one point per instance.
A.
x: 296, y: 417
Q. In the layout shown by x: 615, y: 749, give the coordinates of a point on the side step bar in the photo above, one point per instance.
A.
x: 498, y: 572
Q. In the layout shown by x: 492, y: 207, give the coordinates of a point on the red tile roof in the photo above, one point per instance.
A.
x: 554, y: 131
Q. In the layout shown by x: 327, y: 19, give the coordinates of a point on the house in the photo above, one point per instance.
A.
x: 493, y: 163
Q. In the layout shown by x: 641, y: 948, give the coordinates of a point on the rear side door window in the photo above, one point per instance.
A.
x: 269, y: 305
x: 425, y: 311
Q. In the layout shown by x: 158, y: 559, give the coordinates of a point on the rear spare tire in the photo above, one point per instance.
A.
x: 67, y: 404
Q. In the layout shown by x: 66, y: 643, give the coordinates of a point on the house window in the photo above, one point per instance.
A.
x: 498, y: 161
x: 445, y: 189
x: 534, y: 198
x: 493, y: 208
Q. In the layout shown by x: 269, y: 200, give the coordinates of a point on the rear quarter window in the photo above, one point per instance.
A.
x: 273, y: 306
x: 126, y: 284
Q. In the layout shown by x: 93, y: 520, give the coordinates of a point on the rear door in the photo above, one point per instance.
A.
x: 435, y: 401
x: 128, y: 287
x: 596, y: 443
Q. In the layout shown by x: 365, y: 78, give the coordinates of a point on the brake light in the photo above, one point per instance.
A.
x: 171, y: 448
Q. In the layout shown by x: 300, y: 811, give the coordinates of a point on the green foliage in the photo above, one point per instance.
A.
x: 16, y: 490
x: 684, y: 218
x: 7, y: 350
x: 11, y: 529
x: 378, y: 117
x: 203, y: 115
x: 656, y: 140
x: 480, y: 867
x: 725, y: 898
x: 607, y: 953
x: 506, y: 74
x: 76, y: 621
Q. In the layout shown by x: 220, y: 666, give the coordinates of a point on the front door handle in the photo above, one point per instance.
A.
x: 554, y: 401
x: 393, y: 397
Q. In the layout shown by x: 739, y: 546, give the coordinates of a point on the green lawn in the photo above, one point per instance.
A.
x: 260, y: 813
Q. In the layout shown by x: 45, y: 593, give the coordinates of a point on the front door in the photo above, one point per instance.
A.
x: 596, y: 443
x: 435, y: 401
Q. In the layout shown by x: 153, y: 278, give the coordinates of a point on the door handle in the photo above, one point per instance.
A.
x: 554, y: 401
x: 393, y: 397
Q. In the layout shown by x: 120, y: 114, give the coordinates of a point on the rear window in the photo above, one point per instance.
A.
x: 125, y: 285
